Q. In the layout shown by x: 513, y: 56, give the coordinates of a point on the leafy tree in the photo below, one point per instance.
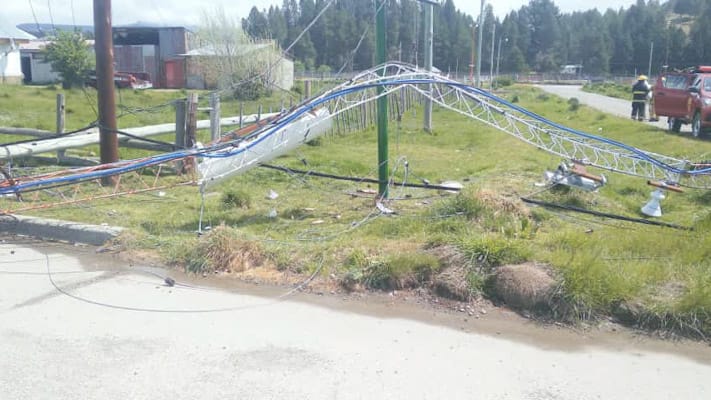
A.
x: 699, y: 50
x: 231, y: 60
x: 277, y: 25
x: 689, y: 7
x: 256, y: 25
x: 544, y: 48
x: 70, y: 55
x: 539, y: 36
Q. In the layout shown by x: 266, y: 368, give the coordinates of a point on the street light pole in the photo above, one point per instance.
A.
x: 481, y: 39
x: 471, y: 66
x: 491, y: 57
x: 651, y: 52
x: 429, y: 16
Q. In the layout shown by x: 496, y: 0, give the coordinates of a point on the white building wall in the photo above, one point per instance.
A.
x: 10, y: 64
x: 285, y: 77
x: 42, y: 72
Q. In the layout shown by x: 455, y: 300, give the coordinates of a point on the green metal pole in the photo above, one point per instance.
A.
x: 380, y: 56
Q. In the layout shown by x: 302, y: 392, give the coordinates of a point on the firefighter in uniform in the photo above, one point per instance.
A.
x: 639, y: 97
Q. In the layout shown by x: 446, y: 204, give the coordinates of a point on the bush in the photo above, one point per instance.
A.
x: 236, y: 199
x: 221, y: 249
x: 573, y: 104
x: 401, y: 271
x: 251, y: 89
x: 503, y: 82
x: 492, y: 251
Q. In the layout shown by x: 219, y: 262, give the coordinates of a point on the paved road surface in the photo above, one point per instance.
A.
x: 53, y: 346
x: 610, y: 105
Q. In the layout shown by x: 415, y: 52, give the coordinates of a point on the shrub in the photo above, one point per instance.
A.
x: 573, y: 104
x: 492, y: 251
x: 502, y: 82
x: 236, y: 199
x: 401, y: 271
x: 221, y: 249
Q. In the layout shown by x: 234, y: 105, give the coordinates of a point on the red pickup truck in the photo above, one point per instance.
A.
x: 684, y: 97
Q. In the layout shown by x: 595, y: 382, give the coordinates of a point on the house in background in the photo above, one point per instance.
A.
x: 165, y: 54
x: 10, y: 61
x: 275, y: 68
x: 152, y: 50
x: 160, y: 54
x: 34, y: 67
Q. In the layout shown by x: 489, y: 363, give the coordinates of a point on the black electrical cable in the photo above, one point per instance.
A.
x: 355, y: 179
x: 172, y: 146
x: 178, y: 311
x: 605, y: 215
x: 48, y: 137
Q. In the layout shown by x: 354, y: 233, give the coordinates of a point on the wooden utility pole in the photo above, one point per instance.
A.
x: 104, y: 47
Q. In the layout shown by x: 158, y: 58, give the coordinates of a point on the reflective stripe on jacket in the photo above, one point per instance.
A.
x: 639, y: 92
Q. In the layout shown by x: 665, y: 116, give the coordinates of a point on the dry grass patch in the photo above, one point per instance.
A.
x: 222, y: 249
x: 527, y: 286
x: 499, y: 204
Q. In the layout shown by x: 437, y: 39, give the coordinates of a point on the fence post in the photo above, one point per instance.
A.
x: 259, y: 113
x: 215, y: 132
x: 180, y: 117
x: 60, y: 121
x: 191, y: 127
x: 241, y: 114
x: 307, y: 89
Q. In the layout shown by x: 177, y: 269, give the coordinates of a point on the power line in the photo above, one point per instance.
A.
x: 351, y: 56
x: 282, y: 56
x: 51, y: 18
x: 39, y: 28
x: 74, y: 21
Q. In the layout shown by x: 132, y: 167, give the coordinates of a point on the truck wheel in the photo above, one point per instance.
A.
x: 696, y: 125
x: 674, y: 124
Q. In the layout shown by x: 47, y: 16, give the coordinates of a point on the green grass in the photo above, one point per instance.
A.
x: 35, y: 107
x: 610, y: 89
x: 332, y: 226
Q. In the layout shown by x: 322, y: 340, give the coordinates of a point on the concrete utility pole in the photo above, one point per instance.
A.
x: 651, y: 52
x: 498, y: 56
x: 428, y: 62
x: 491, y: 59
x: 108, y: 139
x: 471, y: 66
x: 481, y: 40
x: 380, y: 58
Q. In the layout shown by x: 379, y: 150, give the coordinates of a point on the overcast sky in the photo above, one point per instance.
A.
x: 189, y: 12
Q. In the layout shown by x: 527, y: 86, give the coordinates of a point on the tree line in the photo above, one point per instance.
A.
x: 537, y: 37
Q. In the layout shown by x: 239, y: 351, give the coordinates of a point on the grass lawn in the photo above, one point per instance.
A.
x: 656, y: 277
x: 610, y: 89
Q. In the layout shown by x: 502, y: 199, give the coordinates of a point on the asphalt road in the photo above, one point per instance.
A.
x: 609, y: 105
x: 198, y: 342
